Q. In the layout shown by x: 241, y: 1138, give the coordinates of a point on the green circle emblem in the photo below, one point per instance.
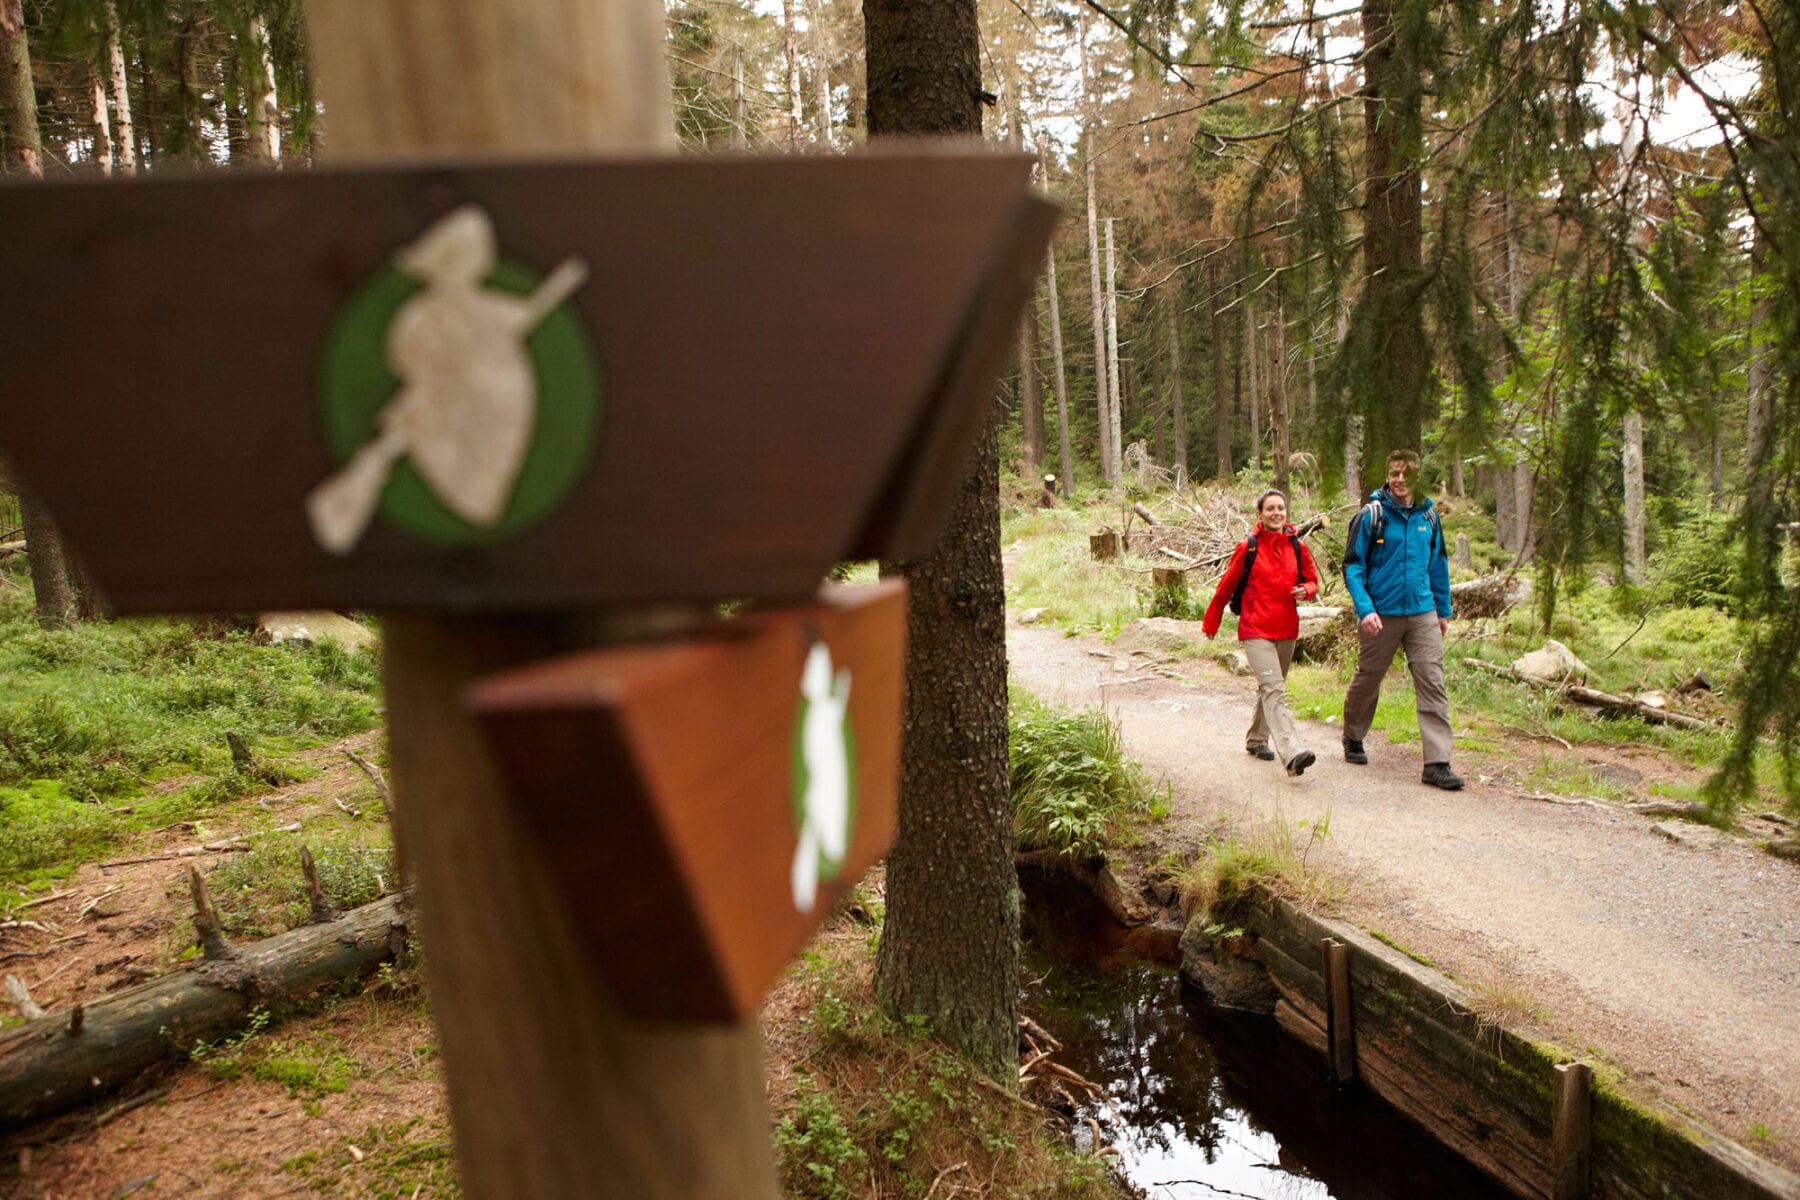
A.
x: 356, y: 384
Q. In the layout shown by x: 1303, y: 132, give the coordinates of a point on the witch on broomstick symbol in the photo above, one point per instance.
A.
x: 467, y: 403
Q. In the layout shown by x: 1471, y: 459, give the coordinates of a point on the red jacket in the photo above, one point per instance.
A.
x: 1270, y: 610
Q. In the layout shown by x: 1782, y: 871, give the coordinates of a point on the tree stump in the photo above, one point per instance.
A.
x: 1104, y: 546
x: 1463, y: 557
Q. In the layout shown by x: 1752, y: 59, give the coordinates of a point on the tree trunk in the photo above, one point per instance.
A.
x: 1634, y: 497
x: 1506, y: 509
x: 121, y: 92
x: 1102, y: 392
x: 45, y: 1068
x: 18, y: 107
x: 1060, y: 379
x: 1523, y: 527
x: 262, y: 110
x: 1278, y: 404
x: 1158, y: 410
x: 949, y: 949
x: 1221, y: 378
x: 103, y: 151
x: 1250, y: 359
x: 1758, y: 376
x: 554, y: 1093
x: 1116, y: 409
x: 1177, y: 400
x: 815, y: 15
x: 1031, y: 394
x: 1390, y: 313
x: 739, y: 135
x: 791, y: 52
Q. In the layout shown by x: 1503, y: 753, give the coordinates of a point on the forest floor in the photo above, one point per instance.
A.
x: 1677, y: 962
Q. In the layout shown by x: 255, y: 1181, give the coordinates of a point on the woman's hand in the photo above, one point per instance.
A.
x: 1299, y: 590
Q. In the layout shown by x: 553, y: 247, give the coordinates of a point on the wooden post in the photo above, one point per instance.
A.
x: 1571, y: 1132
x: 553, y: 1092
x: 1340, y: 1030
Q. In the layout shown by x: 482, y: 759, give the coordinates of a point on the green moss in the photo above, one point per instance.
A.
x: 1402, y: 947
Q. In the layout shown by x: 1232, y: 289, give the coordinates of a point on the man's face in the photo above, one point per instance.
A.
x: 1400, y: 480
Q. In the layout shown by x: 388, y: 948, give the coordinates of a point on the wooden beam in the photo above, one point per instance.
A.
x: 1571, y: 1131
x: 1340, y: 1029
x: 553, y: 1092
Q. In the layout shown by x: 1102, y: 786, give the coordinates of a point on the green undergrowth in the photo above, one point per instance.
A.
x: 263, y: 891
x: 1074, y: 790
x: 121, y: 726
x: 870, y: 1107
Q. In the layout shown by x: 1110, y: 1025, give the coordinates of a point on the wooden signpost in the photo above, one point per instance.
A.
x: 524, y: 408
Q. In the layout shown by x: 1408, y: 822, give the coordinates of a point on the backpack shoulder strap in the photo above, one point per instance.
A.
x: 1237, y: 597
x: 1299, y: 568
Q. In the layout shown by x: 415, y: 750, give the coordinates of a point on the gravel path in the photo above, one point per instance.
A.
x: 1679, y: 964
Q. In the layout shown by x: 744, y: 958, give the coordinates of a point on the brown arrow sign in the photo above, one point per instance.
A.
x: 508, y: 387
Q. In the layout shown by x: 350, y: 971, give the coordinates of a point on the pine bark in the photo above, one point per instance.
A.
x: 1177, y: 400
x: 103, y: 151
x: 1250, y: 359
x: 1391, y: 320
x: 791, y: 53
x: 1278, y: 404
x: 1102, y: 390
x: 1222, y: 381
x: 1031, y: 394
x: 1116, y: 408
x: 123, y: 129
x: 1634, y: 497
x: 1159, y: 405
x: 949, y: 949
x: 1060, y: 379
x: 821, y: 50
x: 262, y: 111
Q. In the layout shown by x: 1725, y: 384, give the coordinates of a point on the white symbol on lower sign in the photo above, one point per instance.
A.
x: 824, y: 752
x: 467, y: 402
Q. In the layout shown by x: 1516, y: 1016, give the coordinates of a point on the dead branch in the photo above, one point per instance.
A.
x: 20, y: 995
x: 19, y: 908
x: 223, y: 846
x: 213, y: 943
x: 322, y: 911
x: 1044, y: 1036
x: 1616, y: 705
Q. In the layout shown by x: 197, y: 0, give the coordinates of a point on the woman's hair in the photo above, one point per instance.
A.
x: 1260, y: 500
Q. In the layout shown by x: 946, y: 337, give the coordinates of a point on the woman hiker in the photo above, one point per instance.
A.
x: 1266, y: 592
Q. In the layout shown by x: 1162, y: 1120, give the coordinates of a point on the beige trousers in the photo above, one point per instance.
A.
x: 1273, y: 725
x: 1424, y: 643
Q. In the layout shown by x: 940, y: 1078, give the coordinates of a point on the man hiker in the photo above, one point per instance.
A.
x: 1398, y: 575
x: 1270, y: 573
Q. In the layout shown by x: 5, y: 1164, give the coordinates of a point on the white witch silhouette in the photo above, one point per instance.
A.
x: 467, y: 401
x: 825, y: 804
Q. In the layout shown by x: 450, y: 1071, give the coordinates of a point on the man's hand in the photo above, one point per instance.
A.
x: 1371, y: 624
x: 1443, y: 626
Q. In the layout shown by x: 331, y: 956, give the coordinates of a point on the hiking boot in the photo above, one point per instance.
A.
x: 1354, y: 753
x: 1262, y: 752
x: 1439, y: 775
x: 1297, y: 765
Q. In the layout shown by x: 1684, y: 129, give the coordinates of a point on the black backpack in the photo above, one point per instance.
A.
x: 1237, y: 597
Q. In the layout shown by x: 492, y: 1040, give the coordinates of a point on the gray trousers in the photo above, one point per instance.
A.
x: 1273, y: 725
x: 1424, y: 643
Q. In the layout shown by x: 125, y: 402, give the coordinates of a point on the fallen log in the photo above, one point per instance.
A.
x: 74, y: 1056
x: 1617, y: 705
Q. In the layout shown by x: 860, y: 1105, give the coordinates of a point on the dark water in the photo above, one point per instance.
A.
x: 1208, y: 1104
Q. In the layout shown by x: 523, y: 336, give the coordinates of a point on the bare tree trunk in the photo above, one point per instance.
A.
x: 1523, y: 487
x: 1116, y: 407
x: 1221, y: 378
x: 1353, y: 426
x: 1758, y: 375
x: 103, y: 150
x: 821, y: 47
x: 1158, y: 409
x: 1102, y: 392
x: 1634, y: 497
x: 1031, y: 394
x: 1715, y: 497
x: 740, y: 137
x: 262, y: 109
x: 1278, y: 403
x: 1177, y: 401
x: 1060, y: 380
x: 791, y: 50
x: 1250, y: 358
x: 1457, y: 486
x: 121, y: 92
x: 1506, y: 509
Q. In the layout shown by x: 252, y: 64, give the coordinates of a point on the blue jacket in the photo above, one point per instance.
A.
x: 1404, y: 574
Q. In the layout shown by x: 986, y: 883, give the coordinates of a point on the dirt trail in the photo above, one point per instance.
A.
x: 1678, y: 964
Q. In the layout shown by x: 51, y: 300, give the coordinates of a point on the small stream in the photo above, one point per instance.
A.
x: 1205, y: 1103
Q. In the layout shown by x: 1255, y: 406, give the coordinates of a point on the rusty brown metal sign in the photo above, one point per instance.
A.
x: 519, y: 386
